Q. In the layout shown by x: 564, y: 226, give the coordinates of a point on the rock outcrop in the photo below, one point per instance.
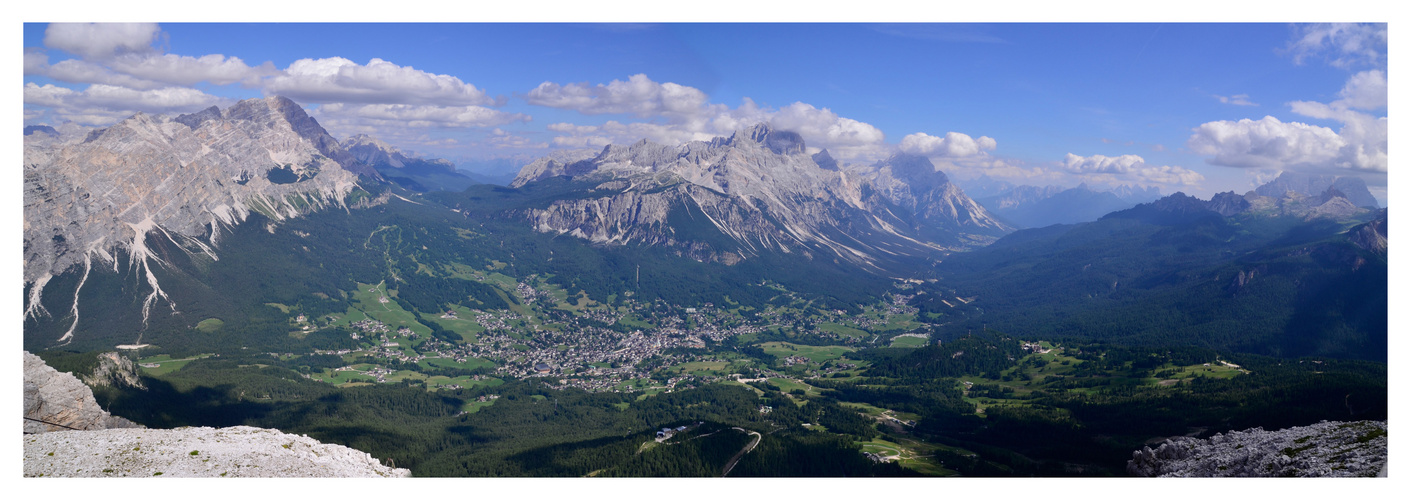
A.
x: 67, y: 434
x: 56, y: 401
x: 1372, y: 235
x: 1326, y: 449
x: 114, y: 370
x: 194, y: 452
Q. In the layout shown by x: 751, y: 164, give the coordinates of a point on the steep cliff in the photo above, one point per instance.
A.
x: 55, y: 401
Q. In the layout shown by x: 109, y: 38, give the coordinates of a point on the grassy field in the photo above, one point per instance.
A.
x: 366, y: 304
x: 909, y: 453
x: 475, y: 406
x: 343, y: 377
x: 437, y: 381
x: 464, y: 324
x: 469, y: 364
x: 909, y: 342
x: 209, y: 325
x: 167, y: 364
x: 1026, y: 377
x: 700, y: 367
x: 817, y: 354
x: 788, y: 385
x: 843, y: 330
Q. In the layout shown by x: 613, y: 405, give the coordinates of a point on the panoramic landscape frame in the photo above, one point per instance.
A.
x: 920, y: 142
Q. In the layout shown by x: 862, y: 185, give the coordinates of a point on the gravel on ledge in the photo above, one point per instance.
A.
x: 194, y: 452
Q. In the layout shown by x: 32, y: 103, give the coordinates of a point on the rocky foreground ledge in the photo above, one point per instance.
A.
x: 109, y: 446
x: 1326, y: 449
x: 194, y: 452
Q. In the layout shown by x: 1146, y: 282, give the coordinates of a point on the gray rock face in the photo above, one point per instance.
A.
x: 57, y: 401
x: 1326, y: 449
x: 1371, y: 236
x: 373, y: 152
x: 194, y: 452
x: 182, y: 179
x: 762, y: 191
x: 114, y: 370
x: 1353, y: 188
x: 1228, y: 203
x: 1331, y: 204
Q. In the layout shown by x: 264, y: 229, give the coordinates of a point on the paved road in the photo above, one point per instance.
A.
x: 747, y: 448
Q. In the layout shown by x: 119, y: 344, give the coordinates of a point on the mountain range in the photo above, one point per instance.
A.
x: 757, y: 194
x: 1033, y: 206
x: 757, y: 191
x: 744, y: 305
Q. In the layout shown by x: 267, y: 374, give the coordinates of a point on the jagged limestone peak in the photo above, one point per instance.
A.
x: 183, y: 179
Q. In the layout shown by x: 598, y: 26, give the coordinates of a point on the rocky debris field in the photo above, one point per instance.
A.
x: 194, y: 452
x: 1326, y: 449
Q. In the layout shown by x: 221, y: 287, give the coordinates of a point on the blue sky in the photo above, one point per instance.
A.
x: 1180, y: 106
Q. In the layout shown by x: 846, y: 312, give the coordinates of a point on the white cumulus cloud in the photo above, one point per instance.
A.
x: 335, y: 79
x: 101, y: 40
x: 106, y: 104
x: 1128, y: 168
x: 1361, y: 144
x: 1264, y: 143
x: 1365, y: 90
x: 821, y: 127
x: 186, y: 70
x: 953, y: 145
x: 423, y: 116
x: 680, y: 113
x: 638, y: 95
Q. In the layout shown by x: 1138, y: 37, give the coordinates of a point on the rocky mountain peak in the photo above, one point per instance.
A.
x: 185, y: 179
x: 1352, y: 188
x: 1228, y: 203
x: 825, y: 161
x: 916, y: 170
x: 761, y: 189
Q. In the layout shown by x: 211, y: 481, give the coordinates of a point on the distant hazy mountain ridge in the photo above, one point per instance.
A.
x: 406, y: 169
x: 1032, y: 206
x: 1351, y: 188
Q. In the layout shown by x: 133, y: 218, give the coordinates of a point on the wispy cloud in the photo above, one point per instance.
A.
x: 1130, y: 168
x: 1343, y: 45
x: 1237, y: 100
